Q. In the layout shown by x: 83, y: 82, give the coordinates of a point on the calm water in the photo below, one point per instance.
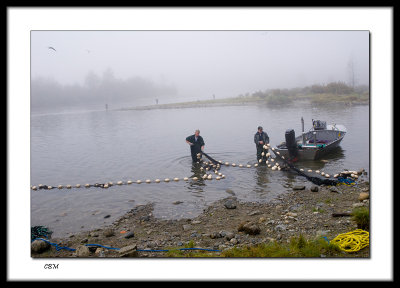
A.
x: 103, y: 146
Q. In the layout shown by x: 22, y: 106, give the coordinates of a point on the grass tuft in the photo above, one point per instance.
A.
x: 361, y: 216
x: 297, y: 247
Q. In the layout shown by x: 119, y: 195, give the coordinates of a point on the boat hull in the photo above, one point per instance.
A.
x: 327, y: 140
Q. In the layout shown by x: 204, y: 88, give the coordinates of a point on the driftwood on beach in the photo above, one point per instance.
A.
x: 343, y: 214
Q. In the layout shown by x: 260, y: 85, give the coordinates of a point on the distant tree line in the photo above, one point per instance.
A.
x: 96, y: 92
x: 332, y: 88
x: 283, y: 96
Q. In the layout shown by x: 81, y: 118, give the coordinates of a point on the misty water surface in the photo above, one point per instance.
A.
x: 102, y: 146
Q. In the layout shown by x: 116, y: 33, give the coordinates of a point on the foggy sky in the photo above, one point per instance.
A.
x: 202, y: 63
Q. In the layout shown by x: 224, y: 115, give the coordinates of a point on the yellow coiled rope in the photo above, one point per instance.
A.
x: 352, y: 241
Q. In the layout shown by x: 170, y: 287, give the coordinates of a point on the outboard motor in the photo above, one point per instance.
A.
x: 291, y: 143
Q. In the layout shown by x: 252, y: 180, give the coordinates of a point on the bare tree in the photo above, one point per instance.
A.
x: 351, y: 73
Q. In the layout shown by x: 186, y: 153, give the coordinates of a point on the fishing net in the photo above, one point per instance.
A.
x: 40, y: 231
x: 316, y: 180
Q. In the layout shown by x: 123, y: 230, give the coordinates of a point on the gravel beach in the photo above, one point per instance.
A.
x: 306, y: 210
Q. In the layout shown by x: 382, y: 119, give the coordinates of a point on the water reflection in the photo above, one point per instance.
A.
x: 341, y: 153
x: 196, y: 186
x: 337, y: 154
x: 290, y: 178
x: 261, y: 176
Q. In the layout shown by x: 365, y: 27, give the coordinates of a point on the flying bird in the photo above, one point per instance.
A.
x: 52, y: 48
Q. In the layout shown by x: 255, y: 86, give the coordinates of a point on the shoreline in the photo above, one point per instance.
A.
x: 239, y: 102
x: 182, y: 105
x: 301, y: 211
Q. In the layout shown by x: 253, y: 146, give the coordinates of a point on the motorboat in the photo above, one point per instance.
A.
x: 320, y: 140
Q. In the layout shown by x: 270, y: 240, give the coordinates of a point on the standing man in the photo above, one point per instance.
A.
x: 196, y: 143
x: 260, y: 138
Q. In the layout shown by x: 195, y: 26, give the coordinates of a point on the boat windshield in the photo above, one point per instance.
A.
x: 319, y: 125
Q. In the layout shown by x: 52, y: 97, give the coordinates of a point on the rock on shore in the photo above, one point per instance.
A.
x: 225, y: 224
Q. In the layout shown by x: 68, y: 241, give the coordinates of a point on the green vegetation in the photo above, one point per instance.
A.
x: 332, y: 93
x: 297, y: 247
x: 319, y: 99
x: 175, y: 252
x: 361, y: 216
x: 335, y: 92
x: 318, y: 209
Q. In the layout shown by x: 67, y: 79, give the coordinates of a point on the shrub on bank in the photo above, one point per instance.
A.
x: 361, y: 216
x: 297, y: 247
x: 342, y: 98
x: 278, y: 99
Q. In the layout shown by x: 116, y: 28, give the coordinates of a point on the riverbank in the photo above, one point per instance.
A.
x: 198, y: 104
x: 304, y: 209
x: 321, y: 99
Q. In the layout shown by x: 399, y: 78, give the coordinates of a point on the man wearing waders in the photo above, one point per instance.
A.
x: 261, y: 138
x: 196, y: 143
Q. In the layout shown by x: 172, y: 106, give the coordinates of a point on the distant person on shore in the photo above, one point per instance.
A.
x: 196, y: 143
x: 260, y: 138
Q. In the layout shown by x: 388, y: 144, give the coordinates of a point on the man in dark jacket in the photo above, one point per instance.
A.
x: 260, y: 138
x: 196, y: 143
